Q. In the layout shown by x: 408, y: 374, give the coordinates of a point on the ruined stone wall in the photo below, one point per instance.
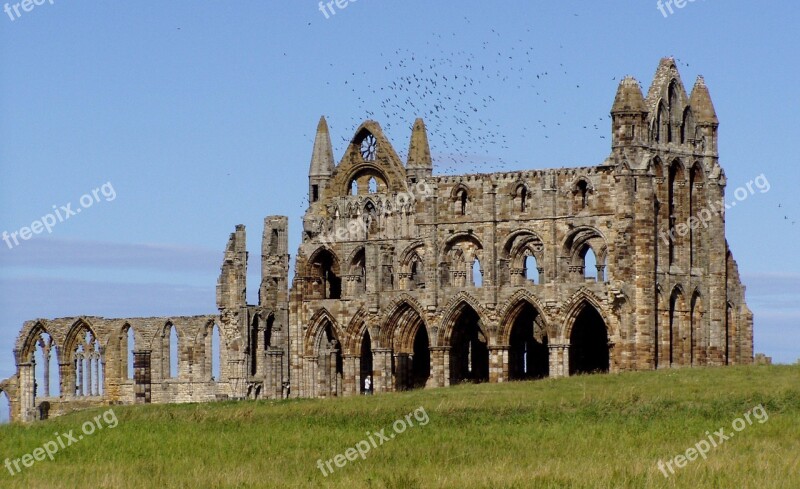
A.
x: 404, y: 279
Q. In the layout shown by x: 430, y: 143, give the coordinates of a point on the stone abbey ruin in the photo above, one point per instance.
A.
x: 405, y: 279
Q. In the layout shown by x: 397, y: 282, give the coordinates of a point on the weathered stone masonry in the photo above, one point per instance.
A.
x: 417, y: 280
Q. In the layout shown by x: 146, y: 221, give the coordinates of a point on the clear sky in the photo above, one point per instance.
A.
x: 200, y: 115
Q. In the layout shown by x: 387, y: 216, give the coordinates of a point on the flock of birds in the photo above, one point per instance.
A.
x: 458, y: 93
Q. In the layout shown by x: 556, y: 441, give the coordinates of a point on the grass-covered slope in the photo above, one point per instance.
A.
x: 604, y: 431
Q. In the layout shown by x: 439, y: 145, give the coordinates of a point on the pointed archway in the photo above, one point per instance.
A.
x: 365, y: 364
x: 589, y: 348
x: 330, y: 363
x: 528, y: 354
x: 411, y: 347
x: 421, y: 365
x: 469, y: 352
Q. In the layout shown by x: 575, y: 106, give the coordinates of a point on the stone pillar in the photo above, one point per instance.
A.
x: 352, y: 373
x: 402, y: 370
x: 382, y: 374
x: 46, y: 370
x: 498, y: 364
x: 308, y: 386
x: 440, y: 366
x: 80, y: 376
x: 26, y: 385
x: 559, y: 361
x: 273, y: 384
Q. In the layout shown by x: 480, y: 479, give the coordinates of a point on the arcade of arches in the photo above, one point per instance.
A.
x: 408, y: 353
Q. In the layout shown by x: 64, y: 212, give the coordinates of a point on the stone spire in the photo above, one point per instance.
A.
x: 322, y: 165
x: 322, y: 157
x: 700, y: 101
x: 629, y: 97
x: 420, y: 164
x: 628, y: 116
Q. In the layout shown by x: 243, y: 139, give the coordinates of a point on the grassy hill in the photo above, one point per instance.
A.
x: 605, y: 431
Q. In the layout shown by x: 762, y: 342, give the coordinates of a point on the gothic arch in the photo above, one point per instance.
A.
x: 400, y: 325
x: 519, y: 245
x: 510, y: 310
x: 316, y: 328
x: 576, y: 246
x: 354, y: 333
x: 524, y: 329
x: 31, y: 338
x: 521, y: 196
x: 677, y: 326
x: 461, y: 197
x: 324, y: 271
x: 590, y: 338
x: 573, y: 307
x: 381, y: 163
x: 452, y: 310
x: 84, y: 356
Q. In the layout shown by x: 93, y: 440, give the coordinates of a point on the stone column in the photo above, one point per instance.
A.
x: 440, y: 366
x: 559, y: 361
x: 80, y: 377
x: 351, y: 364
x: 382, y: 380
x: 498, y: 364
x: 26, y: 387
x: 46, y: 370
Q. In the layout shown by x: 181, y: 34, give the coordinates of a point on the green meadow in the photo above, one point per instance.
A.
x: 601, y: 431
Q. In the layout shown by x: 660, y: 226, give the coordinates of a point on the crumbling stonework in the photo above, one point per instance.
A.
x: 416, y: 280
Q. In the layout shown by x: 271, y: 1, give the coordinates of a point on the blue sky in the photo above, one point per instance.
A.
x: 201, y: 115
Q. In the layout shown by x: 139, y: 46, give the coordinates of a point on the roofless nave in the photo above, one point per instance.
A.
x: 416, y: 280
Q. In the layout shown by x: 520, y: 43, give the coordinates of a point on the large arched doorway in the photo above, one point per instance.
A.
x: 589, y: 349
x: 528, y: 354
x: 469, y: 352
x: 330, y: 364
x: 366, y: 366
x: 411, y: 345
x: 421, y: 359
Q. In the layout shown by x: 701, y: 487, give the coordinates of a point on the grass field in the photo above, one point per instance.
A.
x: 605, y: 431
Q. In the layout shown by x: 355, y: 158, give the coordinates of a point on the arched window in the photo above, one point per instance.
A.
x: 523, y: 198
x: 589, y: 264
x: 674, y: 115
x: 687, y: 127
x: 128, y: 351
x: 89, y: 367
x: 215, y: 354
x: 173, y: 352
x: 462, y: 199
x: 675, y: 203
x: 372, y: 185
x: 324, y: 269
x: 46, y: 367
x: 5, y: 408
x: 477, y: 273
x: 353, y: 188
x: 531, y: 269
x: 583, y: 191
